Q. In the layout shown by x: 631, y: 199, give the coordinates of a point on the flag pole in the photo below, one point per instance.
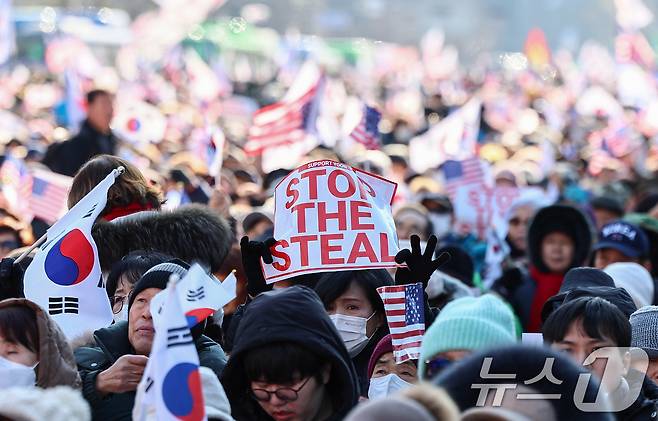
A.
x: 40, y: 241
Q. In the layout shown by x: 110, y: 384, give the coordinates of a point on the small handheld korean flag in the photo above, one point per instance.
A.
x: 200, y: 295
x: 64, y: 277
x: 170, y: 388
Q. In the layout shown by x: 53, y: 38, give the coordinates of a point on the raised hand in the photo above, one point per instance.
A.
x: 420, y: 265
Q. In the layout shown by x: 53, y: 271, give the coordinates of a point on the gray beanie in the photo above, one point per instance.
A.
x: 644, y: 324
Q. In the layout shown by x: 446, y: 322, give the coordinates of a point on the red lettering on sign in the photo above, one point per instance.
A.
x: 303, y: 241
x: 301, y: 215
x: 340, y: 215
x: 326, y: 248
x: 361, y: 242
x: 313, y: 181
x: 292, y: 193
x: 333, y: 185
x: 356, y: 215
x: 383, y: 245
x: 281, y: 255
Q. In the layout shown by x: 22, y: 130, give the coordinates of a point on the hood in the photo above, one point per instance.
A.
x: 559, y: 218
x: 191, y: 233
x: 57, y: 365
x: 617, y: 296
x: 293, y: 314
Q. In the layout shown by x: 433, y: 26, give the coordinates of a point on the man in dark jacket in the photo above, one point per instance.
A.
x: 94, y: 137
x: 112, y: 369
x: 288, y: 361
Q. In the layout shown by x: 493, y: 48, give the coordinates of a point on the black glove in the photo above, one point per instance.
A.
x: 420, y: 266
x: 11, y: 279
x: 252, y: 251
x: 508, y: 282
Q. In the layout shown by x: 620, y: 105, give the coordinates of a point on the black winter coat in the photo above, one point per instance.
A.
x: 293, y: 314
x: 112, y: 343
x: 67, y: 157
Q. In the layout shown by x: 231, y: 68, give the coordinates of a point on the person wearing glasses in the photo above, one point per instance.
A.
x: 125, y: 274
x: 288, y: 361
x: 465, y: 325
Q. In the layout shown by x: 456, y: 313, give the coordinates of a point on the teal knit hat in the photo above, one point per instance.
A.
x: 468, y: 323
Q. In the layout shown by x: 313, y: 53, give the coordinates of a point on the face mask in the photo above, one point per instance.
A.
x: 380, y: 387
x: 16, y: 375
x: 123, y: 314
x: 441, y: 223
x: 353, y: 331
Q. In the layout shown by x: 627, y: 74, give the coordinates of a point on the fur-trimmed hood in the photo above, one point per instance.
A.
x: 191, y: 233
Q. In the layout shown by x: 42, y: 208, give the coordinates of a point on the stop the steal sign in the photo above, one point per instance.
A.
x: 329, y: 216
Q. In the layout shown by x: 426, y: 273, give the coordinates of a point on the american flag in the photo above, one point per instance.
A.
x: 16, y: 183
x: 285, y: 122
x: 461, y: 173
x: 48, y: 195
x: 367, y: 131
x: 404, y: 306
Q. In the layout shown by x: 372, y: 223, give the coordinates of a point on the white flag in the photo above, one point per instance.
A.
x: 65, y: 276
x: 170, y: 388
x: 454, y: 137
x: 200, y: 295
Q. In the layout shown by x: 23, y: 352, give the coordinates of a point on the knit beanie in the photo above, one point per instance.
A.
x: 60, y: 403
x: 644, y: 325
x: 158, y: 277
x: 468, y: 323
x: 635, y: 279
x: 586, y: 277
x: 385, y: 345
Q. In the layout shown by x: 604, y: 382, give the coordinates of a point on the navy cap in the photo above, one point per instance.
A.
x: 626, y: 238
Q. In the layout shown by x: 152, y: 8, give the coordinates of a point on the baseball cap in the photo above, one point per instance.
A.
x: 624, y: 237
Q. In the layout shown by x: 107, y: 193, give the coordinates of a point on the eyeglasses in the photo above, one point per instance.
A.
x: 436, y: 366
x: 117, y: 302
x: 287, y: 394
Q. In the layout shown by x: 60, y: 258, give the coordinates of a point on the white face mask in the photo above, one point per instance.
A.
x: 441, y: 223
x: 16, y: 375
x: 381, y: 387
x: 353, y: 331
x: 122, y: 315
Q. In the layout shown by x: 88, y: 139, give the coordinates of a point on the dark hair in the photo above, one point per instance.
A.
x: 18, y: 324
x: 95, y: 93
x: 129, y: 187
x: 600, y: 319
x: 5, y: 229
x: 333, y: 284
x: 277, y: 362
x: 132, y: 267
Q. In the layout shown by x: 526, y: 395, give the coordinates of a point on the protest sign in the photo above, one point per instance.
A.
x: 329, y: 216
x: 478, y: 207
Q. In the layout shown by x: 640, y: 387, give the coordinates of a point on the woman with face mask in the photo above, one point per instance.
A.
x: 386, y: 376
x: 33, y: 350
x: 356, y: 309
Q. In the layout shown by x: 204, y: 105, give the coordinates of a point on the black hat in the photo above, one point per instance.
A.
x: 158, y: 277
x: 559, y: 218
x: 586, y: 277
x: 607, y: 203
x: 617, y: 296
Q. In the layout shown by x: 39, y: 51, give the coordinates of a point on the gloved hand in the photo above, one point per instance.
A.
x: 11, y: 279
x: 420, y: 266
x: 252, y: 251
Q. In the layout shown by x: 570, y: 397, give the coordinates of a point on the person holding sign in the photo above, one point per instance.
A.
x: 288, y: 362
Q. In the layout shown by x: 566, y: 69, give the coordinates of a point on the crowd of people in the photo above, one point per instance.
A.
x: 560, y: 324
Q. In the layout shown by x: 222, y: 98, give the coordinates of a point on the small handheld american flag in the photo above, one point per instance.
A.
x: 461, y: 173
x: 404, y: 306
x: 367, y: 131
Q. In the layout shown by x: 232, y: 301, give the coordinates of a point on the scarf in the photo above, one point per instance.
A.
x: 547, y: 285
x: 120, y: 211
